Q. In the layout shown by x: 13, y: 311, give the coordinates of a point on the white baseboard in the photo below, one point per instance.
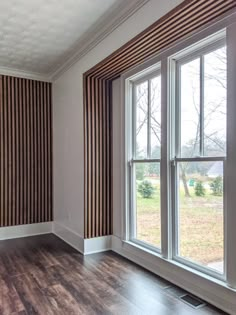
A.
x: 84, y: 246
x: 97, y: 244
x: 69, y: 236
x: 209, y: 289
x: 25, y: 230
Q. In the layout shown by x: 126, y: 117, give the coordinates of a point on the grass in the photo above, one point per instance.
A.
x: 200, y: 225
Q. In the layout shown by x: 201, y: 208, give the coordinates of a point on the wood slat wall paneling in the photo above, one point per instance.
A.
x: 163, y: 40
x: 49, y: 153
x: 186, y: 19
x: 86, y: 154
x: 96, y: 114
x: 182, y: 21
x: 25, y: 151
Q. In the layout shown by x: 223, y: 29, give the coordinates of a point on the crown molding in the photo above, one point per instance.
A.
x: 100, y: 30
x: 114, y: 17
x: 24, y: 74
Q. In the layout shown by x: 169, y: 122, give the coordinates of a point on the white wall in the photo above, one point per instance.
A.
x: 68, y: 116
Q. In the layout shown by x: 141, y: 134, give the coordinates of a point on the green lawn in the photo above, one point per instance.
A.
x: 200, y: 221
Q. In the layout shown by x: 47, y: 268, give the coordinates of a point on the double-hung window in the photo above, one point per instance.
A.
x: 199, y: 156
x: 145, y: 160
x: 189, y: 176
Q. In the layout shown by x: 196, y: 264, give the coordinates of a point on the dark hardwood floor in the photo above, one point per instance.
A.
x: 43, y: 275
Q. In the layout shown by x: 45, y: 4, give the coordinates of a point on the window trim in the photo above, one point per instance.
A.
x: 230, y: 173
x: 131, y: 82
x: 228, y: 23
x: 206, y: 46
x: 146, y: 75
x: 217, y: 41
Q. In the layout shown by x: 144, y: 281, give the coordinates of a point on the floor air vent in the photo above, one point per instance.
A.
x: 192, y: 301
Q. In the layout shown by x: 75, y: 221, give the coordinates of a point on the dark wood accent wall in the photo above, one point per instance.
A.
x: 184, y: 20
x: 25, y: 151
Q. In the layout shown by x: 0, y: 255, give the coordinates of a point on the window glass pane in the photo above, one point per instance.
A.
x: 147, y: 203
x: 190, y: 108
x: 155, y: 117
x: 200, y: 213
x: 141, y: 103
x: 215, y: 103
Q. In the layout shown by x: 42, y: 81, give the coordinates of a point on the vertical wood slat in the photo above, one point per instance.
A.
x: 17, y: 169
x: 6, y: 150
x: 96, y: 158
x: 31, y: 152
x: 28, y: 160
x: 100, y: 131
x: 1, y: 148
x: 187, y: 18
x: 24, y: 188
x: 89, y: 152
x: 50, y: 155
x: 110, y: 176
x: 105, y: 189
x: 13, y: 148
x: 93, y: 161
x: 85, y: 120
x: 38, y: 151
x: 9, y: 160
x: 21, y: 175
x: 45, y: 150
x: 25, y: 151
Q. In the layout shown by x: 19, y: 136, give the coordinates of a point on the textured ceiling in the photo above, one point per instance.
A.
x: 36, y: 34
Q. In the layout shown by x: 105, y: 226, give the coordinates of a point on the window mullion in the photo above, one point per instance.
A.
x: 166, y: 233
x: 230, y: 169
x: 149, y: 121
x: 177, y: 111
x: 202, y: 105
x: 134, y: 120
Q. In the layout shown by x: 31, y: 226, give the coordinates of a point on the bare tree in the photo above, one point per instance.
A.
x: 215, y: 75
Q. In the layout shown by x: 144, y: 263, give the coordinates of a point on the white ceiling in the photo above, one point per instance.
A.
x: 36, y: 36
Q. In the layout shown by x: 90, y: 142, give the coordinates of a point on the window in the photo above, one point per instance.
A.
x: 145, y: 159
x: 177, y: 141
x: 200, y: 154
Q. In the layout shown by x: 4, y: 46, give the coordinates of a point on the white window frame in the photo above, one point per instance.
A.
x: 132, y: 82
x: 205, y: 46
x: 167, y: 150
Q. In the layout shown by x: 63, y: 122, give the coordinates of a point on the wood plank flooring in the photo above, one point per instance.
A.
x: 43, y: 275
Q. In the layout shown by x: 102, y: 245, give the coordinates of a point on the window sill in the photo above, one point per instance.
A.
x: 153, y: 256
